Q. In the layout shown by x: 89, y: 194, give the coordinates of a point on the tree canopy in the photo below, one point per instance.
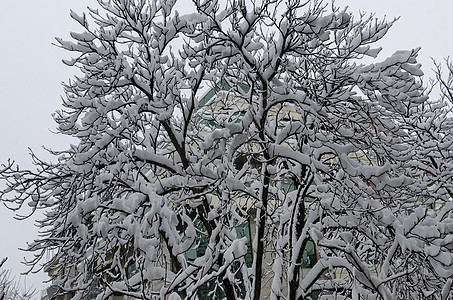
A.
x: 217, y: 150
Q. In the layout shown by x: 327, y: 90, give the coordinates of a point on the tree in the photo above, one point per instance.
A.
x: 297, y: 134
x: 9, y: 288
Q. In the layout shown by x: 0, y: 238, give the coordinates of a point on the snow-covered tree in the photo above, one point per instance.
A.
x: 10, y: 289
x: 193, y: 126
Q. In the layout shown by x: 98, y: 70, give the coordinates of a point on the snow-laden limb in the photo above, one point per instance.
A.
x: 11, y: 288
x: 242, y: 150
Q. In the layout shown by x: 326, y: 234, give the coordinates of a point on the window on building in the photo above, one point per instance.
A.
x: 131, y: 270
x: 198, y: 249
x: 309, y: 258
x: 94, y: 289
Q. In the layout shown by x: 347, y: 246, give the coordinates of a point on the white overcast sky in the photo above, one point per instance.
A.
x: 31, y: 73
